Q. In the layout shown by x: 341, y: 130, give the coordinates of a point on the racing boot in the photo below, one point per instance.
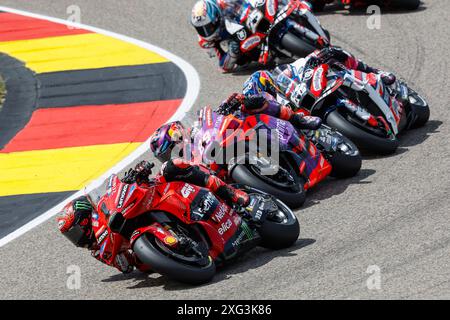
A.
x: 305, y: 122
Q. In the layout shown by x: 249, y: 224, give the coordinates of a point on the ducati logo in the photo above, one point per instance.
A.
x: 187, y: 190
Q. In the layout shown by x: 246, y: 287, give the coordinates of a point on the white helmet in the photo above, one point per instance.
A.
x: 205, y: 18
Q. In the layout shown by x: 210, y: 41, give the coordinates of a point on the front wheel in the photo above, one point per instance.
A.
x: 363, y: 139
x: 281, y: 228
x: 344, y: 155
x: 186, y: 268
x: 420, y: 109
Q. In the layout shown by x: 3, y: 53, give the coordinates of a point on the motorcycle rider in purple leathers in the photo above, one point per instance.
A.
x: 208, y: 18
x: 165, y: 139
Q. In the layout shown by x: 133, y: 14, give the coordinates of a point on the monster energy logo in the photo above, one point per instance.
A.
x: 82, y: 205
x: 247, y: 230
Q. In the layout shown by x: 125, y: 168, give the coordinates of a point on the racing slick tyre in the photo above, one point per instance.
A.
x: 364, y: 140
x: 346, y: 161
x: 278, y: 234
x: 296, y: 46
x: 150, y: 253
x: 423, y: 115
x: 294, y: 196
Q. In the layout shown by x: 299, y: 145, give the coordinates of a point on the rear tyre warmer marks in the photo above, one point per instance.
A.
x: 77, y: 103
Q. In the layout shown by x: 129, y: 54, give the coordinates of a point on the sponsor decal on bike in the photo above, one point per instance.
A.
x: 208, y: 202
x: 250, y: 43
x: 221, y: 212
x: 128, y: 207
x: 317, y: 83
x: 281, y: 128
x: 225, y: 227
x: 123, y: 194
x: 260, y: 211
x: 103, y: 236
x: 271, y: 8
x: 239, y: 239
x: 170, y: 240
x: 187, y: 190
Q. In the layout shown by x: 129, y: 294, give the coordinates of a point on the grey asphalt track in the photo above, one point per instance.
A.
x: 395, y: 214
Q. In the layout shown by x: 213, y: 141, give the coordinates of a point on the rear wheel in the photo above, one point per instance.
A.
x: 296, y: 46
x: 363, y: 139
x: 280, y: 230
x: 284, y: 185
x: 189, y: 264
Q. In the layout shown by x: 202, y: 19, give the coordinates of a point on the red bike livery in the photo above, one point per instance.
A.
x: 305, y: 158
x: 183, y: 231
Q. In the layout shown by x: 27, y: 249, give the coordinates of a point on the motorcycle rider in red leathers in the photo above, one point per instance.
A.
x: 208, y: 18
x: 78, y: 219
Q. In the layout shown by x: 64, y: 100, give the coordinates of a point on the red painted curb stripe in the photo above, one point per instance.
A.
x: 55, y: 128
x: 16, y: 27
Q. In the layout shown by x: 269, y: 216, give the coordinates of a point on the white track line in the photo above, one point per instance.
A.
x: 193, y: 87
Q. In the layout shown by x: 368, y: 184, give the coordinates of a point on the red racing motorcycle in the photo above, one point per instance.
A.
x: 183, y: 231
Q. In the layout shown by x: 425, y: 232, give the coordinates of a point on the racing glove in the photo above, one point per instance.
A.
x: 305, y: 122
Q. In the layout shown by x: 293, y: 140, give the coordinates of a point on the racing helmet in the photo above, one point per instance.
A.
x: 206, y: 18
x: 260, y: 81
x: 165, y: 138
x: 74, y: 222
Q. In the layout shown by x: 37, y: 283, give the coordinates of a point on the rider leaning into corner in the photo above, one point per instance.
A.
x: 174, y: 136
x: 77, y: 219
x: 262, y: 81
x: 208, y: 18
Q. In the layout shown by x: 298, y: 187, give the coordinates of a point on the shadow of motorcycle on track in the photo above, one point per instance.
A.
x: 252, y: 260
x: 337, y: 8
x: 410, y: 139
x: 331, y: 187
